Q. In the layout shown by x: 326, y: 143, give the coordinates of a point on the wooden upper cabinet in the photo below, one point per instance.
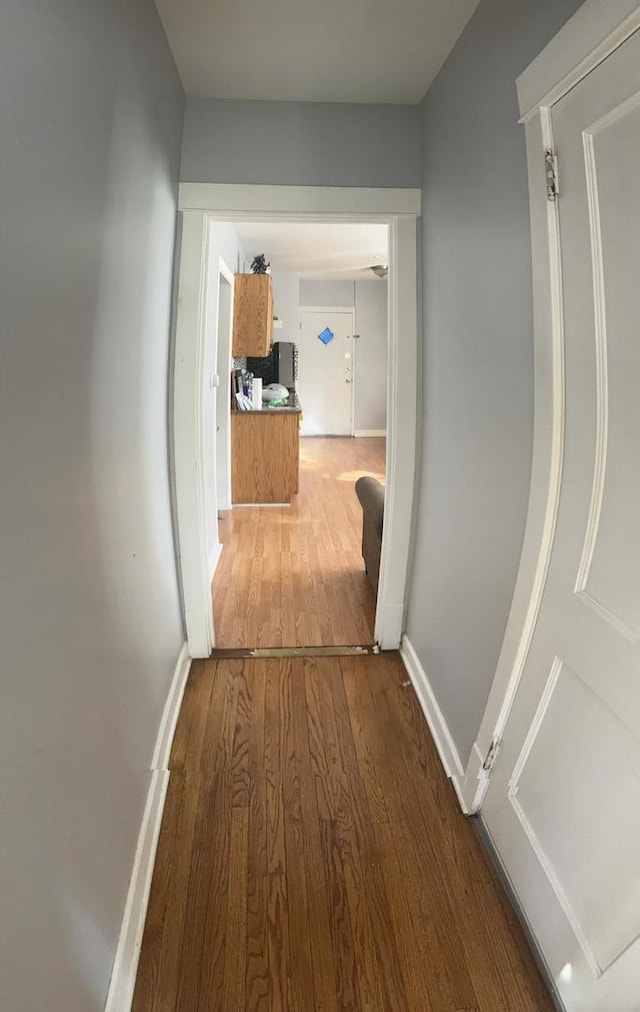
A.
x: 253, y: 315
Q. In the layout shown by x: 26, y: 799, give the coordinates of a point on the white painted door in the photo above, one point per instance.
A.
x: 563, y: 806
x: 326, y: 373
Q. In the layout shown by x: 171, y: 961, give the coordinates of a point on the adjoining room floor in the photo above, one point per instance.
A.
x: 294, y: 576
x: 312, y: 855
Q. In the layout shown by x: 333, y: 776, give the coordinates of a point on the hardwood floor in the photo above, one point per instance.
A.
x: 312, y: 855
x: 294, y: 576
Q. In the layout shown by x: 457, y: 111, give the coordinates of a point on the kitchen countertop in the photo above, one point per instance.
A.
x: 293, y: 408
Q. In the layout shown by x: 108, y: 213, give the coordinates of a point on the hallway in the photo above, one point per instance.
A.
x: 313, y: 856
x: 294, y: 575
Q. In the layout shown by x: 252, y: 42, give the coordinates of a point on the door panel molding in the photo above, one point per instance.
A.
x: 545, y: 862
x: 544, y: 749
x: 602, y: 382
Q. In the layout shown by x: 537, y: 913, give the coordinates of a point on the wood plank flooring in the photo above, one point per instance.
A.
x: 312, y: 855
x: 294, y: 576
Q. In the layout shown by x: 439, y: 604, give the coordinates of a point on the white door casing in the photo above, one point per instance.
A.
x: 563, y: 801
x: 326, y: 372
x: 189, y: 425
x: 209, y: 403
x: 223, y: 400
x: 399, y: 209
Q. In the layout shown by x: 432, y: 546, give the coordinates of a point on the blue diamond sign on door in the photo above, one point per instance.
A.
x: 326, y: 335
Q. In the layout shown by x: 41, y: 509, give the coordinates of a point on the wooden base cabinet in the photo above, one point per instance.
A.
x: 265, y: 456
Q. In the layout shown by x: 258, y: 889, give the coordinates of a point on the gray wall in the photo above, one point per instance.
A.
x: 327, y: 293
x: 286, y: 295
x: 301, y: 143
x: 478, y: 355
x: 369, y: 299
x: 91, y: 118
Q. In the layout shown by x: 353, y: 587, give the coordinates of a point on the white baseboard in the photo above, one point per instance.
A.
x: 171, y: 711
x: 389, y: 623
x: 442, y: 737
x: 123, y: 975
x: 473, y: 786
x: 125, y: 966
x: 370, y: 432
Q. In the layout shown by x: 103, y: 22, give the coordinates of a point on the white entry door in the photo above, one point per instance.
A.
x: 563, y: 806
x: 326, y: 372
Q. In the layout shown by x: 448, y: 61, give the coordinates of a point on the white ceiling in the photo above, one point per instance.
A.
x: 386, y: 51
x: 339, y: 251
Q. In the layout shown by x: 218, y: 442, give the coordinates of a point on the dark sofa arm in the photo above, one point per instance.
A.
x: 371, y: 495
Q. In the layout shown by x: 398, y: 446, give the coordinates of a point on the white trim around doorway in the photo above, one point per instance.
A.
x: 224, y: 337
x: 200, y: 203
x: 240, y: 201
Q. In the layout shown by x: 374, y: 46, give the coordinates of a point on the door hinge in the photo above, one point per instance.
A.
x: 551, y: 174
x: 487, y: 765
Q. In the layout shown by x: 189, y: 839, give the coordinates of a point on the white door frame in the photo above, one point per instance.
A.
x: 200, y: 203
x: 352, y: 313
x: 591, y: 35
x: 223, y: 370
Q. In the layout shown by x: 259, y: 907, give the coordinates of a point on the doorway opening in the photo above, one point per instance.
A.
x: 294, y: 575
x: 293, y: 570
x: 393, y: 458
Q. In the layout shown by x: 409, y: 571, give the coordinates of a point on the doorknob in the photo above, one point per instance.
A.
x: 347, y: 381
